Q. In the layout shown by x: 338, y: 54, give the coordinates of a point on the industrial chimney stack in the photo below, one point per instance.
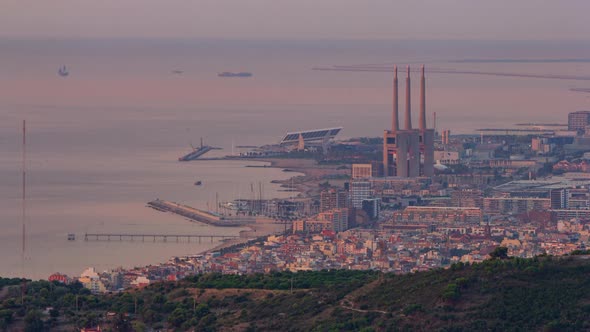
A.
x: 408, y: 103
x: 422, y: 101
x: 395, y: 120
x: 408, y: 152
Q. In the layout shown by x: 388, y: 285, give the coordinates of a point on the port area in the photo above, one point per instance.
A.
x: 310, y: 173
x: 306, y: 180
x: 196, y: 153
x: 206, y: 217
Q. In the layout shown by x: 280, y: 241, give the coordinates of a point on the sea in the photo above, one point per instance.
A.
x: 105, y: 140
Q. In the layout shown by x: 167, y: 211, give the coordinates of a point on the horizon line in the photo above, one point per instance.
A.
x: 278, y: 39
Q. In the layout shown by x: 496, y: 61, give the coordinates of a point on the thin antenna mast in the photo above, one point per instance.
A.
x: 217, y: 202
x: 23, y: 215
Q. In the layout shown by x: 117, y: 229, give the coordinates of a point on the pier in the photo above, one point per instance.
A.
x: 154, y: 237
x: 197, y: 152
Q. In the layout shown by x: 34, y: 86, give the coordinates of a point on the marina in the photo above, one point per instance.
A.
x: 194, y: 214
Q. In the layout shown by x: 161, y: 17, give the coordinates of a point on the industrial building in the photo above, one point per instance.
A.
x: 539, y: 188
x: 577, y: 121
x: 408, y: 152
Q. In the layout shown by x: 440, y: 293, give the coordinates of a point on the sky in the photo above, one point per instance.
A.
x: 297, y: 19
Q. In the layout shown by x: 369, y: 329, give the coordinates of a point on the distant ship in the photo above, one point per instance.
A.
x: 230, y: 74
x: 63, y: 71
x: 198, y: 183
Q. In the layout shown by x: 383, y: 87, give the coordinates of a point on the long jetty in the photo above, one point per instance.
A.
x: 199, y: 215
x: 196, y: 153
x: 153, y: 237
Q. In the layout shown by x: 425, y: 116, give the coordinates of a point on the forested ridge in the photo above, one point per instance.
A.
x: 502, y: 294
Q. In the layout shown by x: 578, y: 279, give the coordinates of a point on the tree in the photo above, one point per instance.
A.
x: 33, y: 321
x: 499, y: 253
x: 6, y: 318
x: 88, y: 319
x: 149, y: 316
x: 122, y: 324
x: 451, y: 292
x: 54, y: 313
x: 178, y: 317
x: 139, y: 326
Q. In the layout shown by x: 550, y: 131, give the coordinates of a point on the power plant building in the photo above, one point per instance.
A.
x: 408, y: 152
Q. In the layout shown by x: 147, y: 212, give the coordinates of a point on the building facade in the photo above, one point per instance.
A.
x: 559, y: 198
x: 362, y: 171
x: 514, y: 205
x: 333, y: 199
x: 467, y: 198
x: 439, y: 214
x: 360, y: 191
x: 577, y: 121
x: 372, y: 207
x: 338, y: 218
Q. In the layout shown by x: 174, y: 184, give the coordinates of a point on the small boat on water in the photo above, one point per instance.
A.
x: 71, y: 237
x: 198, y: 183
x: 231, y: 74
x: 63, y: 71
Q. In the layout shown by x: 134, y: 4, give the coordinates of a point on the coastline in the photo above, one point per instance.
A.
x: 255, y: 231
x: 307, y: 184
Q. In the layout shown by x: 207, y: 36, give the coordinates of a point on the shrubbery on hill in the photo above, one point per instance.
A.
x: 507, y: 294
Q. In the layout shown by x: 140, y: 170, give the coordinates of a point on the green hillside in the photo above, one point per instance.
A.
x: 540, y: 294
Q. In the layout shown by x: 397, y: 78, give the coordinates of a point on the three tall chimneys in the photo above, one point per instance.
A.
x: 408, y: 119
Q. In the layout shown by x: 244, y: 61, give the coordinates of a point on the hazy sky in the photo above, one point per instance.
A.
x: 299, y: 19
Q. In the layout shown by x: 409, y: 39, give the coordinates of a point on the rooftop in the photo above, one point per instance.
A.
x: 310, y: 135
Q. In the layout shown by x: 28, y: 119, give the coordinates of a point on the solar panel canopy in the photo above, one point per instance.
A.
x: 311, y: 135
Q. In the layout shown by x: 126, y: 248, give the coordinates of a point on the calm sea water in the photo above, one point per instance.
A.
x: 104, y: 141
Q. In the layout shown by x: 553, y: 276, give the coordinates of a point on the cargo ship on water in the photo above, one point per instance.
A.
x: 230, y: 74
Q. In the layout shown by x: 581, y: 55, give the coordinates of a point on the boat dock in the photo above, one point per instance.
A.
x: 199, y: 215
x: 153, y: 237
x: 196, y: 153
